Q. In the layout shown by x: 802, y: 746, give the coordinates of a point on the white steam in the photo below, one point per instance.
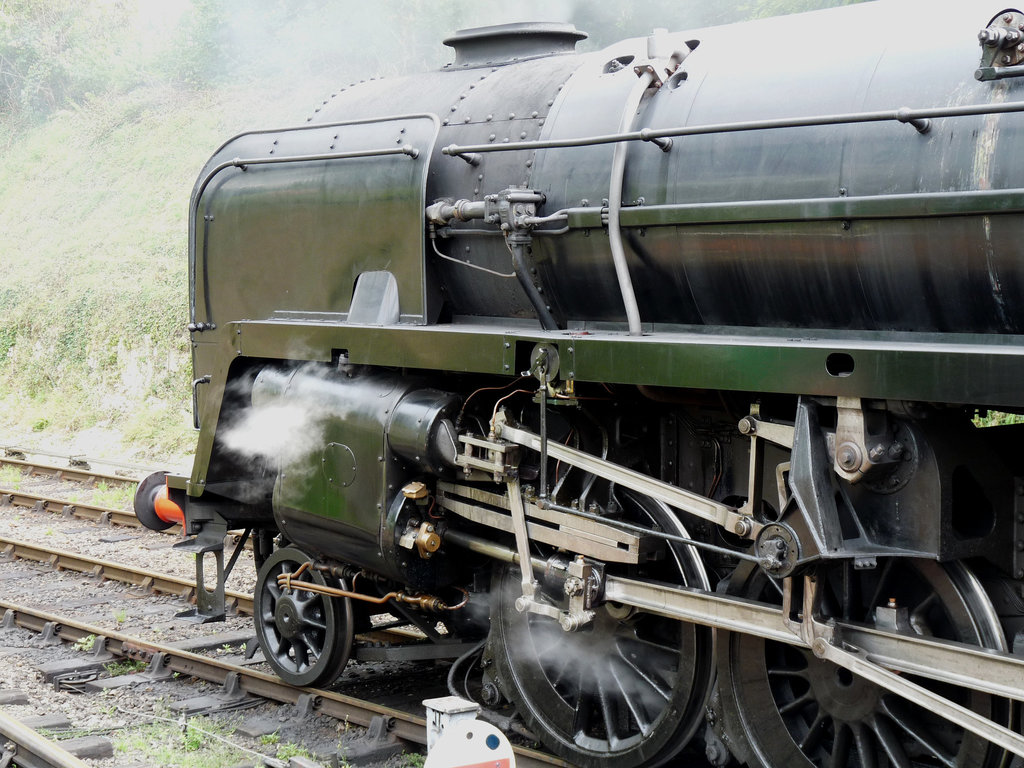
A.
x: 281, y: 434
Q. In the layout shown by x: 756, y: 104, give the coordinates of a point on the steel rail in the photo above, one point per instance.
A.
x: 33, y: 750
x: 76, y: 474
x: 91, y: 512
x: 104, y: 569
x: 13, y: 451
x: 409, y: 727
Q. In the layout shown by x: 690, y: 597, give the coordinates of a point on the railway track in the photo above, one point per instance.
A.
x: 75, y: 463
x: 166, y: 661
x: 27, y: 748
x: 163, y: 583
x: 175, y: 658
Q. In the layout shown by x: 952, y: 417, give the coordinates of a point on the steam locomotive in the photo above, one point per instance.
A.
x: 647, y: 383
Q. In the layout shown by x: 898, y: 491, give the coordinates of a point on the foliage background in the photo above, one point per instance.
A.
x: 109, y: 108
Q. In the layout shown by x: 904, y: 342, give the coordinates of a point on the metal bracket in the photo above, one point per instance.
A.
x: 487, y: 456
x: 210, y: 604
x: 1002, y: 47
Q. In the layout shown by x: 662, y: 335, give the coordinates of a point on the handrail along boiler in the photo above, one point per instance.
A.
x: 641, y: 382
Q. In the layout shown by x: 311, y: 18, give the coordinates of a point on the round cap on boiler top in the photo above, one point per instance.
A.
x: 505, y: 43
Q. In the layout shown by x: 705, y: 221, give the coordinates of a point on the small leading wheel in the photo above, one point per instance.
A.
x: 784, y: 708
x: 627, y: 690
x: 305, y: 637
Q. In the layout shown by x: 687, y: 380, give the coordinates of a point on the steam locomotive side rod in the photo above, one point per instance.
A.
x: 879, y: 656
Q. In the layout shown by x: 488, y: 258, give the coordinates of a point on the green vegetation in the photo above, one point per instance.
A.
x: 290, y: 749
x: 10, y: 478
x: 124, y: 667
x: 997, y: 419
x: 119, y: 496
x: 200, y: 744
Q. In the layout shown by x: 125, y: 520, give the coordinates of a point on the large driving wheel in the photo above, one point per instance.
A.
x: 627, y: 690
x: 784, y: 708
x: 305, y: 637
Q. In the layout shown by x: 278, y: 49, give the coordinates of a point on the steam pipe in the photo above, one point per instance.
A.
x: 618, y: 173
x: 547, y: 320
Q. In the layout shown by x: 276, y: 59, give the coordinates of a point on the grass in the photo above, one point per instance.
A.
x: 119, y: 496
x: 997, y: 419
x: 10, y: 478
x: 201, y: 744
x: 124, y: 667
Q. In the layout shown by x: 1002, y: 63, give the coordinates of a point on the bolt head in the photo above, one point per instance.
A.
x: 848, y: 456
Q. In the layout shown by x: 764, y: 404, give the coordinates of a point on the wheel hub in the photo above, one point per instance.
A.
x: 840, y: 693
x: 287, y: 617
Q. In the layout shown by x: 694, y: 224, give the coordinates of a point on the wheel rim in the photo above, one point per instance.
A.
x: 305, y: 637
x: 627, y: 690
x: 790, y: 709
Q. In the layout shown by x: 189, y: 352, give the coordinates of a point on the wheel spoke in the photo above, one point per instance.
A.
x: 800, y: 674
x: 865, y: 746
x: 656, y: 658
x: 841, y: 746
x: 919, y: 615
x: 311, y: 652
x: 905, y: 717
x: 797, y: 704
x: 548, y: 639
x: 609, y: 711
x: 641, y: 675
x: 637, y: 709
x: 581, y: 704
x: 890, y: 742
x: 815, y: 734
x: 561, y: 668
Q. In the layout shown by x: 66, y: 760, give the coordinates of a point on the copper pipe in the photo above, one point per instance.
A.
x: 425, y: 602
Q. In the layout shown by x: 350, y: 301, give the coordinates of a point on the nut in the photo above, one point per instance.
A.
x: 848, y: 457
